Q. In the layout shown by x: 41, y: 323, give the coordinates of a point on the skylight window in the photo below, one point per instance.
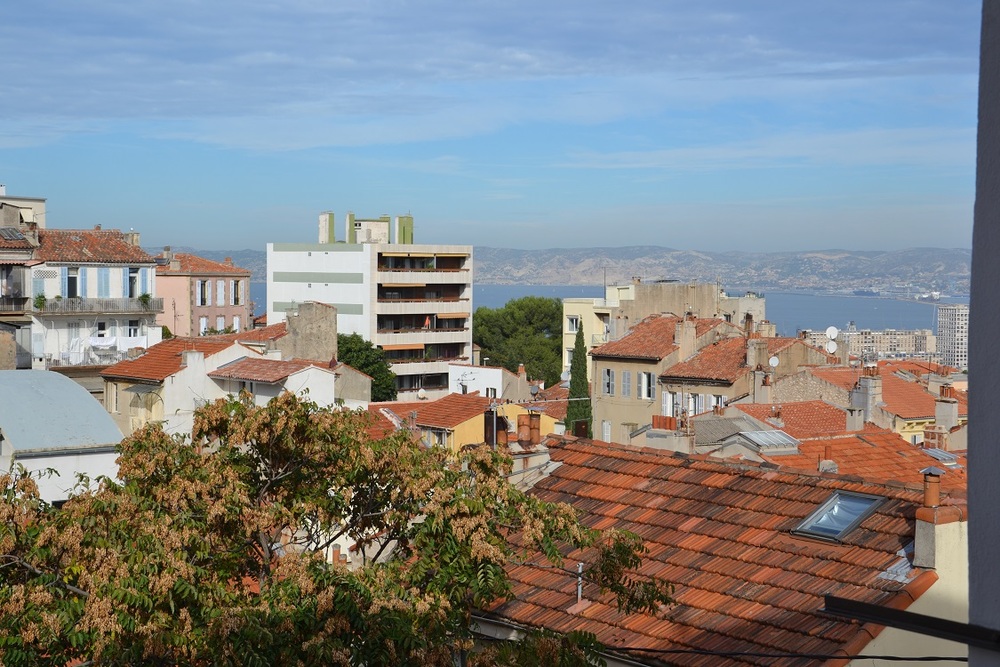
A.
x: 839, y: 515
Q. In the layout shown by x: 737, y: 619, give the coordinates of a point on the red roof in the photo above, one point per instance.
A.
x: 906, y: 398
x: 553, y: 401
x: 88, y: 246
x: 271, y: 371
x: 164, y: 359
x: 877, y: 455
x: 651, y: 338
x: 446, y: 412
x: 802, y: 419
x: 724, y: 360
x: 720, y: 532
x: 193, y: 264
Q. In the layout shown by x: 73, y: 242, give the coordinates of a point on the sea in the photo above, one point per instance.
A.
x: 790, y: 312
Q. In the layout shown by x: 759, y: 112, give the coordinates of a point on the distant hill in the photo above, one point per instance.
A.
x: 912, y: 270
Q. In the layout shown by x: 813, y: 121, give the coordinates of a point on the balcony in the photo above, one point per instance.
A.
x: 79, y: 306
x: 10, y: 304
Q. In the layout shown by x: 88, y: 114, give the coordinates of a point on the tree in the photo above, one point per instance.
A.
x: 212, y: 552
x: 524, y: 331
x: 579, y: 387
x: 359, y: 353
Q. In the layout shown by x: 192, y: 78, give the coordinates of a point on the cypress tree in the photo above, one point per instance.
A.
x: 579, y: 387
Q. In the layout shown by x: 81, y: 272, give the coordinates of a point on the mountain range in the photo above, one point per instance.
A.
x: 909, y: 271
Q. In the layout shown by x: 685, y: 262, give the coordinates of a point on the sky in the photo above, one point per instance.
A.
x: 716, y: 125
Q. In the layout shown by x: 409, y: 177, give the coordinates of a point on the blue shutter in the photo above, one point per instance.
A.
x: 64, y: 281
x: 125, y: 282
x: 104, y: 282
x: 37, y: 283
x: 144, y: 281
x: 83, y: 281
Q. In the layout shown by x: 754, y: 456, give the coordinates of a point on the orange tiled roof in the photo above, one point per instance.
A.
x: 719, y: 531
x: 87, y: 246
x: 164, y: 359
x: 250, y: 369
x: 446, y: 412
x: 651, y: 338
x: 908, y: 399
x: 557, y: 409
x: 877, y: 455
x: 261, y: 335
x: 801, y: 419
x: 724, y: 360
x: 193, y: 264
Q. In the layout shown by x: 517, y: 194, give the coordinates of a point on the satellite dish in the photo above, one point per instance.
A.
x: 831, y: 345
x: 773, y: 361
x: 422, y: 394
x: 832, y: 333
x: 534, y: 390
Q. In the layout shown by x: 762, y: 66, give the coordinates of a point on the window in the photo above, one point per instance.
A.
x: 626, y: 384
x: 236, y: 293
x: 606, y: 430
x: 608, y: 382
x: 202, y: 325
x: 220, y: 323
x: 839, y: 515
x: 720, y: 400
x: 220, y: 292
x: 102, y: 329
x: 491, y: 392
x: 133, y: 283
x: 72, y: 283
x: 203, y: 293
x: 236, y: 323
x: 111, y: 397
x: 647, y: 387
x: 133, y: 328
x: 72, y: 330
x: 572, y: 324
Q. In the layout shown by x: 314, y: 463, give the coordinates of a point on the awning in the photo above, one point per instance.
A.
x: 403, y: 284
x: 451, y: 316
x: 410, y: 346
x: 406, y: 254
x: 451, y: 254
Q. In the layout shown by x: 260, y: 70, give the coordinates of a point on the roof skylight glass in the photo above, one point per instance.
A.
x: 839, y: 515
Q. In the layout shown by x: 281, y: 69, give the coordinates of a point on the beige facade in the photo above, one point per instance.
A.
x: 884, y: 344
x: 624, y: 305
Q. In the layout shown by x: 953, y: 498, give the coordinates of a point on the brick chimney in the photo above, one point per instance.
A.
x: 827, y: 464
x: 524, y: 430
x: 535, y: 428
x: 946, y: 408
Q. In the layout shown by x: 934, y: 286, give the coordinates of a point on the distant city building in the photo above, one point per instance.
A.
x: 953, y: 334
x: 413, y: 301
x: 200, y: 295
x: 624, y: 305
x: 883, y: 344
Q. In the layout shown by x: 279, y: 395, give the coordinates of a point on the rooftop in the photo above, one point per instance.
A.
x: 905, y: 397
x: 724, y: 360
x: 721, y: 533
x: 195, y: 265
x: 651, y: 338
x: 165, y: 358
x: 270, y: 371
x: 800, y: 419
x: 88, y: 246
x: 446, y: 412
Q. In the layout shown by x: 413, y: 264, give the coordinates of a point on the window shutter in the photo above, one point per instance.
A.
x: 83, y: 281
x: 63, y: 281
x: 144, y: 281
x: 104, y: 282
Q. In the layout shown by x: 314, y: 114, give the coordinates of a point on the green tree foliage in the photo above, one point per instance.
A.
x: 359, y: 353
x: 579, y: 388
x: 212, y: 553
x: 525, y: 331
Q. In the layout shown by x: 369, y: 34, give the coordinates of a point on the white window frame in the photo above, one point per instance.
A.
x: 626, y: 384
x: 202, y: 325
x: 608, y: 382
x: 220, y: 323
x: 220, y: 292
x: 572, y: 323
x: 606, y: 430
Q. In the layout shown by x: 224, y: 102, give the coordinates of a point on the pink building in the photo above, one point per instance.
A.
x: 200, y: 295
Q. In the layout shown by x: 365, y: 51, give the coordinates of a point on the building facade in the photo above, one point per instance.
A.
x: 413, y: 301
x: 880, y: 344
x: 202, y: 296
x: 608, y: 319
x: 953, y: 334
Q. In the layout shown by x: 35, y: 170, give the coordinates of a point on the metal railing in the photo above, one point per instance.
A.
x: 10, y: 304
x: 73, y: 305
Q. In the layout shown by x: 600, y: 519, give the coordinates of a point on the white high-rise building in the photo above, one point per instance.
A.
x: 953, y: 334
x: 413, y: 301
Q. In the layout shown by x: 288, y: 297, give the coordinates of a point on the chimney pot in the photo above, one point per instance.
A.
x: 932, y: 486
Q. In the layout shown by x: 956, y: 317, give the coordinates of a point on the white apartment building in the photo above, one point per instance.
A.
x: 413, y: 301
x: 953, y: 334
x: 880, y: 344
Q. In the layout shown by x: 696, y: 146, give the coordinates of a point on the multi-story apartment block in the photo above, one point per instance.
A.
x: 17, y: 247
x: 91, y: 297
x: 953, y: 334
x: 413, y: 301
x: 200, y: 295
x: 608, y: 319
x: 884, y: 344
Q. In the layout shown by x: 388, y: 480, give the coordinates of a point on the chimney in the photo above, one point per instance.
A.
x: 228, y: 261
x: 756, y: 352
x: 946, y: 408
x: 131, y: 237
x: 523, y: 429
x: 767, y: 329
x: 521, y: 373
x: 939, y: 527
x: 748, y: 324
x: 685, y: 337
x: 855, y: 419
x: 489, y: 423
x: 867, y: 393
x: 535, y: 427
x: 327, y: 226
x: 827, y: 464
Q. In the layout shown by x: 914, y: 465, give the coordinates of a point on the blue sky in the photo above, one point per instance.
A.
x: 697, y: 125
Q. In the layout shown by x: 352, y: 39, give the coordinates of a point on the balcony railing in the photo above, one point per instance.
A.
x: 74, y: 305
x: 440, y: 299
x: 9, y: 304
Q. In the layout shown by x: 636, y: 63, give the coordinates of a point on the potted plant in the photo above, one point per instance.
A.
x: 145, y: 299
x: 40, y: 302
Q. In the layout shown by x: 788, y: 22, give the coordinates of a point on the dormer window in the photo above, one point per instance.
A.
x: 839, y: 515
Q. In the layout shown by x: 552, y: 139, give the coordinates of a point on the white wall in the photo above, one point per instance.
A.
x: 57, y: 487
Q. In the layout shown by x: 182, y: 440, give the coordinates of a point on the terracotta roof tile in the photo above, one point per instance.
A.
x: 801, y: 419
x: 652, y: 338
x: 193, y: 264
x: 86, y: 246
x: 250, y: 369
x: 724, y: 360
x: 742, y: 580
x: 446, y: 412
x: 164, y: 359
x: 906, y: 398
